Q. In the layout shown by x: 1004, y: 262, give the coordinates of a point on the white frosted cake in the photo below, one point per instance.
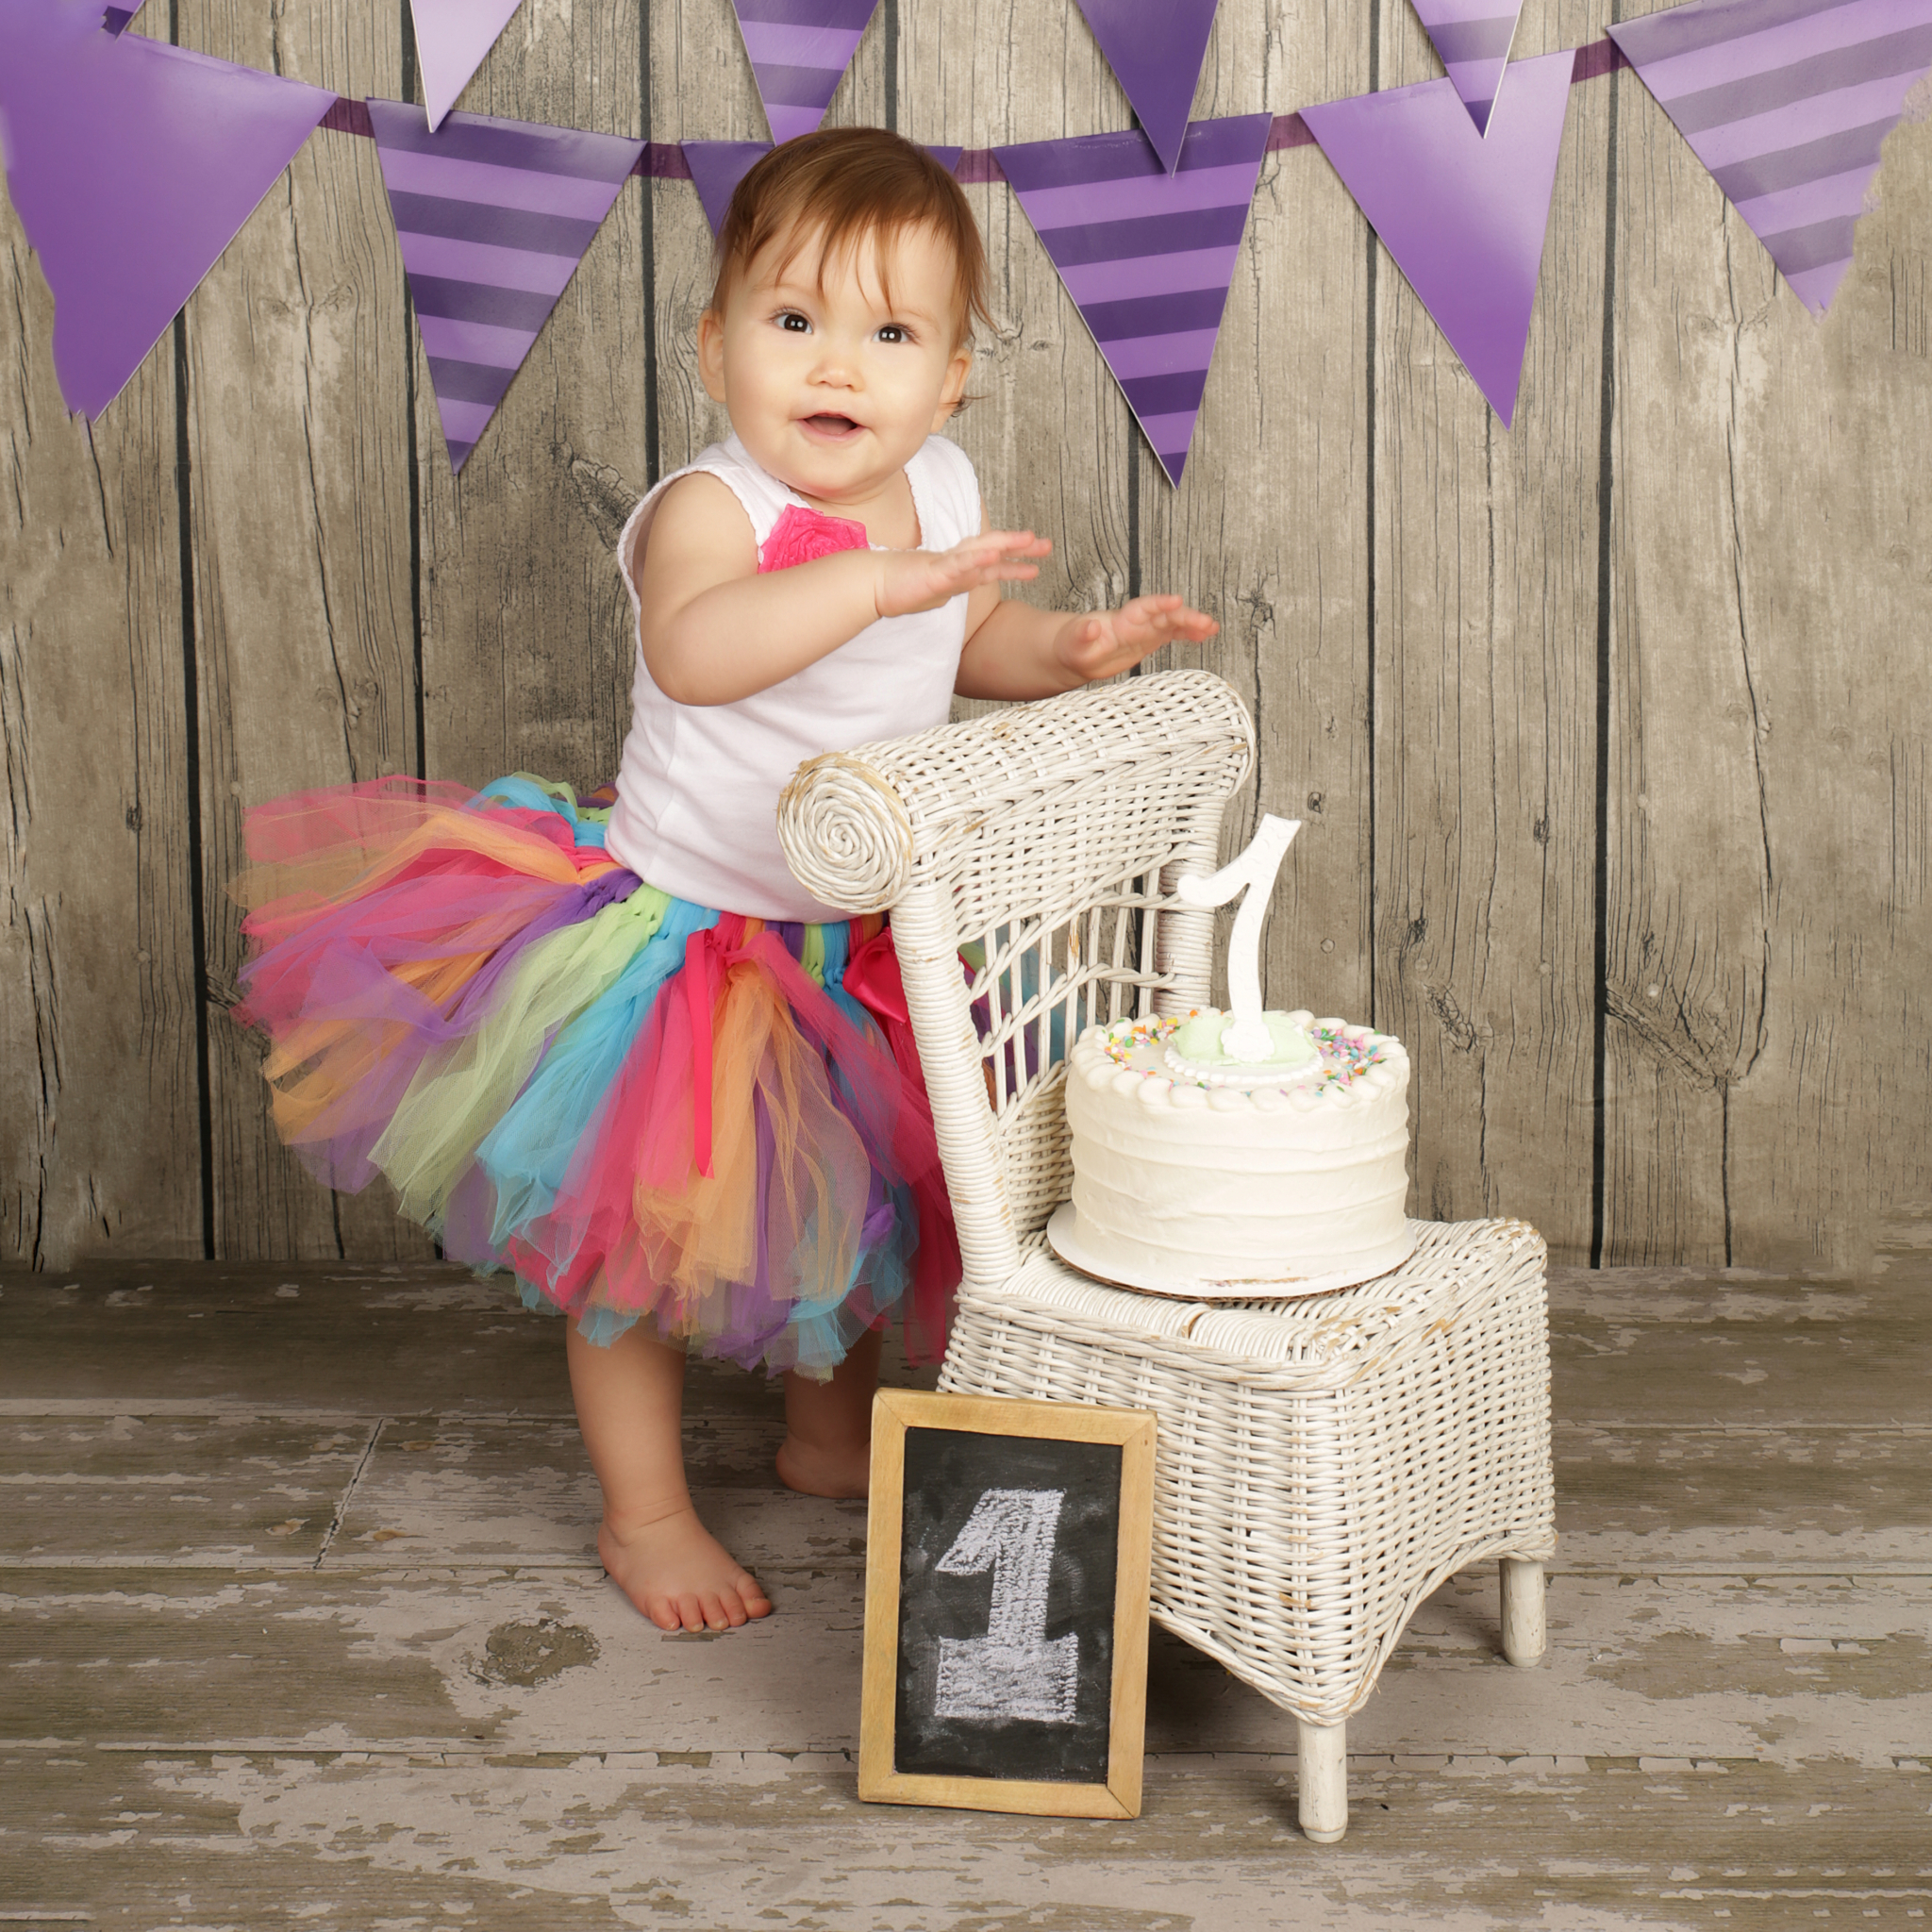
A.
x: 1196, y: 1173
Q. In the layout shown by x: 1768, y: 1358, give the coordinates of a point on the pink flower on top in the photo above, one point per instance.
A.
x: 799, y: 535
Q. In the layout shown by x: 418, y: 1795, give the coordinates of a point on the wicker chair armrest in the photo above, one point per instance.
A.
x: 859, y: 827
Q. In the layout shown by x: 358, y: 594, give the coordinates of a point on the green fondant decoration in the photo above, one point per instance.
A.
x: 1199, y: 1038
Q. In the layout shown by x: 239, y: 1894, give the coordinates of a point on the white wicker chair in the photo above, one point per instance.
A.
x: 1321, y: 1465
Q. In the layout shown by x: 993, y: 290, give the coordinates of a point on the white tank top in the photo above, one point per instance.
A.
x: 697, y: 790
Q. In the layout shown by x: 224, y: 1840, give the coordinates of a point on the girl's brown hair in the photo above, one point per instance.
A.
x: 840, y: 186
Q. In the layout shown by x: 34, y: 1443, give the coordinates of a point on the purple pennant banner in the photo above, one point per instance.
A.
x: 1155, y: 48
x: 1471, y: 37
x: 132, y: 164
x: 452, y: 37
x: 716, y: 169
x: 1787, y: 102
x: 493, y: 218
x: 1147, y: 256
x: 718, y: 166
x: 799, y: 50
x: 1463, y: 213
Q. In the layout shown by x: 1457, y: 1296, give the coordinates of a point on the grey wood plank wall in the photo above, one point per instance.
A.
x: 1609, y: 731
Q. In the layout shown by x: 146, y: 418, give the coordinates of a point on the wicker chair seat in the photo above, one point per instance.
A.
x: 1321, y: 1465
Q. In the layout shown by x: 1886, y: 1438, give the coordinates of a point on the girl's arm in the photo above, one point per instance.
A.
x: 713, y: 630
x: 1014, y: 651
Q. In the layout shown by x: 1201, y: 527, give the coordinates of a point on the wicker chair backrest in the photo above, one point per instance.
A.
x: 1029, y: 858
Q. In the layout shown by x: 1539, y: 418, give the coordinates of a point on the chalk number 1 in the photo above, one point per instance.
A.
x: 1012, y: 1671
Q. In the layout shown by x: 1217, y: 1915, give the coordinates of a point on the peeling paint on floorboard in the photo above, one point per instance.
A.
x: 445, y: 1717
x: 754, y: 1839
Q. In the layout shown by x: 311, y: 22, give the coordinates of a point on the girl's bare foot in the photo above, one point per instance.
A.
x: 827, y: 1445
x: 679, y: 1575
x: 826, y: 1469
x: 629, y: 1397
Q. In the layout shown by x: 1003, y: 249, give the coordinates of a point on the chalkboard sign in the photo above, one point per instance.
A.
x: 1006, y: 1605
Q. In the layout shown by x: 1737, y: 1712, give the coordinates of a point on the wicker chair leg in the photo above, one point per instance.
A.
x: 1324, y: 1781
x: 1523, y: 1634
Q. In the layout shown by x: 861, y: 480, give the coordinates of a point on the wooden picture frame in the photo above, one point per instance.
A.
x: 901, y: 1413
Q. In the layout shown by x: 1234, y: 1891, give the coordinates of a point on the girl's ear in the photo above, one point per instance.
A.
x: 711, y: 353
x: 954, y: 386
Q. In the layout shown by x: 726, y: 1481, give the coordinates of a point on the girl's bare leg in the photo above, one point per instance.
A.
x: 827, y: 1447
x: 630, y: 1407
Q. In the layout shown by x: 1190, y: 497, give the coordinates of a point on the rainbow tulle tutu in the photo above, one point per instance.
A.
x: 637, y: 1105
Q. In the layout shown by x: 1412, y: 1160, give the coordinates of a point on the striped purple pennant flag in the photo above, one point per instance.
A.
x: 1471, y: 37
x: 1147, y: 255
x: 493, y: 218
x: 1787, y: 102
x: 799, y: 50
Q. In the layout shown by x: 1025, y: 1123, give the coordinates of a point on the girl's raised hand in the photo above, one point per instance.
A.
x: 911, y: 580
x: 1110, y: 642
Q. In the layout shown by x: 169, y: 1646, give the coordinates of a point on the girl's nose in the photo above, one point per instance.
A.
x: 837, y: 366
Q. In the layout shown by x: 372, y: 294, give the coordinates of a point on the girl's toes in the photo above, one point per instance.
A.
x: 679, y: 1577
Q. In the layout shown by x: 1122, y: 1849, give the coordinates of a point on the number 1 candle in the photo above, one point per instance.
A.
x: 1245, y: 1038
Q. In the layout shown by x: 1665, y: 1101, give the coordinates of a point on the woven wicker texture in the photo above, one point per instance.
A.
x: 1321, y: 1465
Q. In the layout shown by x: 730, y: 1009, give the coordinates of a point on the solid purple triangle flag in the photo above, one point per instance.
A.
x: 716, y: 169
x: 1147, y: 255
x: 1463, y: 213
x: 718, y: 166
x: 799, y: 50
x: 1155, y: 48
x: 117, y: 18
x: 493, y: 218
x: 1787, y: 102
x: 132, y: 165
x: 1473, y: 39
x: 452, y: 37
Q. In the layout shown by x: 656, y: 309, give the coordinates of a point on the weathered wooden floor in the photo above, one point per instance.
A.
x: 302, y: 1626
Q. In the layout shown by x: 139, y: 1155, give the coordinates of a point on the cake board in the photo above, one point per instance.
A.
x: 1063, y: 1237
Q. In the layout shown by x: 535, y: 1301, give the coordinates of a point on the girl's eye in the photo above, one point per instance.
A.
x: 895, y: 332
x: 798, y: 325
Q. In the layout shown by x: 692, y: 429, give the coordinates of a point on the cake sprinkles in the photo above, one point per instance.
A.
x: 1347, y: 1055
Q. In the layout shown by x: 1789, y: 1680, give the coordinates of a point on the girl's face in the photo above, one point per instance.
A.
x: 832, y: 389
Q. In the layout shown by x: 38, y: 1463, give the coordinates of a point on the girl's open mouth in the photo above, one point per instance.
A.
x: 831, y: 425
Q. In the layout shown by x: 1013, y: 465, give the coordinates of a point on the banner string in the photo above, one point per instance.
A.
x: 663, y: 161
